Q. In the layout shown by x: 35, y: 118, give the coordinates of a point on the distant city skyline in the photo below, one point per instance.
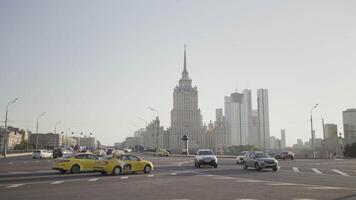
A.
x: 98, y: 67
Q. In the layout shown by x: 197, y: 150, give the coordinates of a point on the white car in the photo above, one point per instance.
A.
x: 205, y: 157
x: 42, y: 154
x: 240, y: 157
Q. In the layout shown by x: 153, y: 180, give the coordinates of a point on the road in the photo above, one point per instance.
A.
x: 177, y: 178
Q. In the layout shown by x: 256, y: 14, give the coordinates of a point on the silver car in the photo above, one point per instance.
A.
x: 205, y: 157
x: 260, y: 160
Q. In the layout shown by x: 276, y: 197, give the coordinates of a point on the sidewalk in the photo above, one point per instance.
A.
x: 16, y: 154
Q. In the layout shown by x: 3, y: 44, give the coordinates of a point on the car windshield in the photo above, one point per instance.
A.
x: 243, y: 153
x: 107, y: 157
x: 262, y: 155
x: 205, y: 153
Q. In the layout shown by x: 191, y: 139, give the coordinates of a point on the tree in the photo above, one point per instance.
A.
x: 350, y: 150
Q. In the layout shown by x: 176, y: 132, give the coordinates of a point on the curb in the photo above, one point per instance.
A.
x: 16, y: 155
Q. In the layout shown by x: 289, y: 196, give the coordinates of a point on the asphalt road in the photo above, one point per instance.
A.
x: 177, y: 178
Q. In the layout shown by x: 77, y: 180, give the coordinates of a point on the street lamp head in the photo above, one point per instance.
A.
x: 13, y: 101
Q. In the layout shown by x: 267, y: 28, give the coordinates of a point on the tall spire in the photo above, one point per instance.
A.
x: 185, y: 72
x: 185, y: 59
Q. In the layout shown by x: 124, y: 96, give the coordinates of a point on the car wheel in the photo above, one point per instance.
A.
x: 195, y: 164
x: 275, y: 169
x: 34, y: 157
x: 198, y: 165
x: 147, y: 169
x: 245, y: 165
x: 75, y: 169
x: 116, y: 171
x: 215, y: 165
x: 258, y: 167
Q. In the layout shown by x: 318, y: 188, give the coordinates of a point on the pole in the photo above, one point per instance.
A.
x: 38, y: 118
x: 37, y: 132
x: 5, y: 131
x: 157, y: 119
x: 240, y: 124
x: 311, y: 127
x: 312, y: 134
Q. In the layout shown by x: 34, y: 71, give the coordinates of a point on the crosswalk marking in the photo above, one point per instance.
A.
x: 56, y: 182
x: 295, y: 169
x: 124, y: 177
x: 340, y: 172
x: 93, y: 179
x: 150, y: 175
x: 15, y: 185
x: 317, y: 171
x: 173, y: 174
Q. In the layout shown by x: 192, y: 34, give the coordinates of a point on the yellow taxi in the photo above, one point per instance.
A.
x: 75, y: 163
x: 161, y: 153
x: 126, y: 163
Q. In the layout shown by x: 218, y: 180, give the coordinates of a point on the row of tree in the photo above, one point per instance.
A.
x: 350, y: 150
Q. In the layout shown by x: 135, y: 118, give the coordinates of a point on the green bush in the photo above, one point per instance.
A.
x: 350, y: 150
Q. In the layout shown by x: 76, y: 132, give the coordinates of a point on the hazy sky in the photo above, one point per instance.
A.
x: 97, y: 65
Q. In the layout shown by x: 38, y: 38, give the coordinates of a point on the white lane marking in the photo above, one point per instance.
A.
x: 282, y: 184
x: 223, y: 177
x: 19, y: 172
x: 15, y: 185
x: 150, y: 175
x: 317, y: 171
x: 180, y: 199
x: 124, y: 177
x: 340, y: 172
x: 24, y: 162
x: 56, y: 182
x: 10, y: 163
x: 246, y: 199
x: 93, y: 179
x: 173, y: 174
x: 302, y: 199
x: 249, y: 181
x: 44, y: 171
x: 323, y: 188
x: 295, y: 169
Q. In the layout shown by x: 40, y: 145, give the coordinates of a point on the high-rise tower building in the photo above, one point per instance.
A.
x: 238, y: 117
x: 283, y: 138
x: 349, y: 120
x: 263, y: 118
x: 185, y: 116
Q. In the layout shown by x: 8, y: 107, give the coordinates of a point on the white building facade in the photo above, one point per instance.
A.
x: 263, y: 118
x: 349, y: 121
x: 186, y: 118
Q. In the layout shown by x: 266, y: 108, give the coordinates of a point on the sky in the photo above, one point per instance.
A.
x: 97, y: 66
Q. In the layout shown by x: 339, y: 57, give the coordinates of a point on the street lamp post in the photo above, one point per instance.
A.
x: 5, y: 131
x: 157, y: 121
x: 55, y: 132
x: 38, y: 118
x: 311, y: 126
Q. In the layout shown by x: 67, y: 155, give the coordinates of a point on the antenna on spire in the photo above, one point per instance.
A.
x: 185, y: 58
